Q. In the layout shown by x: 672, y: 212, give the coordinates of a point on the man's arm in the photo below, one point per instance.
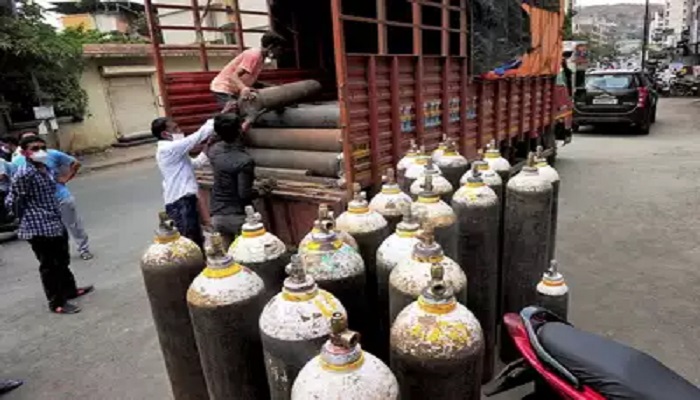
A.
x: 184, y: 146
x: 63, y: 160
x: 246, y: 178
x: 16, y: 195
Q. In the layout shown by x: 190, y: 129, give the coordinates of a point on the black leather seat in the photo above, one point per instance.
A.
x: 612, y: 369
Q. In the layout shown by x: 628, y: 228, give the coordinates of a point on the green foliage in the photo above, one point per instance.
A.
x: 568, y: 29
x: 40, y: 65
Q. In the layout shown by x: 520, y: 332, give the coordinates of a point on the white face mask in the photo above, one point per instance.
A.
x: 177, y: 136
x: 39, y: 156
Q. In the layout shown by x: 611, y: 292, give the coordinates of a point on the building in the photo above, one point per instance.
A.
x: 676, y: 20
x: 657, y: 29
x: 101, y: 15
x: 599, y: 30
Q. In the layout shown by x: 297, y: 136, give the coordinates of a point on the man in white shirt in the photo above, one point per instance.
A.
x: 177, y: 169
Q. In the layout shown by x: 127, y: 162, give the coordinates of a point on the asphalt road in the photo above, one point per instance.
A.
x: 628, y: 244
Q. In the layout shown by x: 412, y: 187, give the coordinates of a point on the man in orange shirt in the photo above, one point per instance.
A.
x: 238, y: 76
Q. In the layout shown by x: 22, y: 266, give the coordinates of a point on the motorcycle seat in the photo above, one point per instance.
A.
x: 612, y: 369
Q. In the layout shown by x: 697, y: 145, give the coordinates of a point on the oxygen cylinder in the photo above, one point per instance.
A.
x: 325, y: 216
x: 369, y: 229
x: 439, y: 215
x: 408, y: 159
x: 553, y: 292
x: 452, y: 164
x: 293, y: 326
x: 339, y: 269
x: 440, y: 150
x: 168, y: 266
x: 390, y: 201
x: 393, y: 250
x: 344, y: 371
x: 416, y: 169
x: 478, y: 214
x: 441, y: 186
x: 527, y: 218
x: 225, y: 301
x: 261, y: 252
x: 551, y: 174
x: 437, y: 346
x: 408, y: 279
x: 497, y: 162
x: 489, y: 176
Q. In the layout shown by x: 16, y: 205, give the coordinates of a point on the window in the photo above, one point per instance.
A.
x: 612, y: 81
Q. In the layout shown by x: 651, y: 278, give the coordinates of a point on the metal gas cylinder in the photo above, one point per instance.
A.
x: 169, y: 265
x: 452, y: 164
x: 408, y: 279
x: 293, y: 326
x: 527, y: 219
x: 553, y: 292
x: 441, y: 186
x: 551, y: 174
x: 261, y: 252
x: 339, y: 269
x: 478, y: 213
x: 225, y: 301
x: 440, y: 150
x: 344, y: 371
x: 408, y: 159
x: 437, y: 346
x: 439, y: 215
x: 390, y: 200
x: 369, y: 229
x: 393, y: 250
x: 327, y: 218
x: 489, y: 176
x: 416, y: 170
x: 496, y: 161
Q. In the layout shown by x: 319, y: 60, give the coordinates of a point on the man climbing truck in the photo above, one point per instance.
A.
x: 390, y: 72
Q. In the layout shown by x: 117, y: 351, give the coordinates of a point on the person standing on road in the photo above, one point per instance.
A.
x: 234, y: 175
x: 64, y: 167
x: 7, y: 170
x: 8, y: 147
x: 32, y: 198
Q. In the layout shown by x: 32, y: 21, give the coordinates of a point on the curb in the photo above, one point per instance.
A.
x: 116, y: 163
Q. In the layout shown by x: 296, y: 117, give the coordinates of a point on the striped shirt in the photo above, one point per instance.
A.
x: 32, y: 197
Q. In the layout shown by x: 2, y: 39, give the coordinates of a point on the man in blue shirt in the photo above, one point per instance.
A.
x: 63, y: 168
x: 32, y: 198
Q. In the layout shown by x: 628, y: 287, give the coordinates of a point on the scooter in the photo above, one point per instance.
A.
x: 567, y: 363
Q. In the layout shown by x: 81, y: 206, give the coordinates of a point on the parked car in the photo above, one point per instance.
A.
x: 616, y: 96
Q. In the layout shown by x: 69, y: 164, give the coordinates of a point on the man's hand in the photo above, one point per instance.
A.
x: 247, y: 93
x: 63, y: 179
x: 245, y: 126
x: 231, y: 106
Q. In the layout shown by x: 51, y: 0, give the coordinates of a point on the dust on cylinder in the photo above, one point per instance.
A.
x: 417, y: 173
x: 225, y: 301
x: 261, y: 252
x: 293, y: 327
x: 551, y: 174
x: 496, y: 161
x: 553, y: 292
x: 439, y: 215
x: 390, y: 200
x: 326, y: 218
x: 452, y: 164
x: 404, y: 163
x: 168, y: 266
x: 437, y: 346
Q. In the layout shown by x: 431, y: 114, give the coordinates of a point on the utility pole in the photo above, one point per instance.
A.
x: 645, y: 39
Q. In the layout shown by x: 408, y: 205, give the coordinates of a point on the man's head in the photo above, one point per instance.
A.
x: 34, y: 148
x: 228, y: 127
x: 272, y: 44
x: 165, y: 129
x: 10, y: 142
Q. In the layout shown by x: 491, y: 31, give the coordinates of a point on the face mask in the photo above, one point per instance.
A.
x: 177, y: 136
x: 39, y: 156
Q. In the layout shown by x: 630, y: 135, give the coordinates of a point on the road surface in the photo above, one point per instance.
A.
x: 628, y: 244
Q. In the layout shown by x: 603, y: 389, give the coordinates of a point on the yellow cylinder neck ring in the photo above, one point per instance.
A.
x: 253, y: 234
x: 428, y: 199
x: 358, y: 210
x: 344, y: 367
x: 436, y: 308
x: 475, y: 184
x: 166, y: 239
x: 219, y: 273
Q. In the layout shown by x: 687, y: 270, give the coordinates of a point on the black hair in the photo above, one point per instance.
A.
x: 158, y: 126
x: 271, y: 39
x: 228, y: 127
x: 9, y: 139
x: 26, y: 141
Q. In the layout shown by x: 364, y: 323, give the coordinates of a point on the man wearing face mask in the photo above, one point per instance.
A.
x: 32, y: 198
x: 237, y: 78
x: 177, y: 169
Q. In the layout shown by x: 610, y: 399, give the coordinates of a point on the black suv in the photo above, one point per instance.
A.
x: 616, y: 96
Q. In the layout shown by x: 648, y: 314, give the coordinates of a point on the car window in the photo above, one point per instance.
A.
x: 607, y: 82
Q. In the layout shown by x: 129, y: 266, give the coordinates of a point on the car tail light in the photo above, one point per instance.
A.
x: 642, y: 94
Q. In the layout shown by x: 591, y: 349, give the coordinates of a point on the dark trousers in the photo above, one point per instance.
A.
x: 56, y: 276
x: 185, y: 215
x: 222, y: 98
x: 229, y: 226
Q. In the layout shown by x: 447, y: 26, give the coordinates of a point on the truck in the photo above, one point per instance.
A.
x: 393, y: 71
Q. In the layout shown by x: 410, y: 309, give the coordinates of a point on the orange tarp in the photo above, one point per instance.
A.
x: 546, y: 31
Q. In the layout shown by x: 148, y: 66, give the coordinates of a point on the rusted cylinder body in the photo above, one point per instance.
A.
x: 328, y: 140
x: 526, y: 225
x: 293, y: 326
x: 304, y: 116
x: 274, y: 97
x: 225, y: 301
x: 550, y: 174
x: 169, y: 266
x: 437, y: 355
x: 478, y: 213
x: 318, y: 163
x: 369, y: 229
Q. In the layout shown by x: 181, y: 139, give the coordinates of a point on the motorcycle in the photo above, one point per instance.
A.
x: 567, y: 363
x: 682, y: 88
x: 663, y: 87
